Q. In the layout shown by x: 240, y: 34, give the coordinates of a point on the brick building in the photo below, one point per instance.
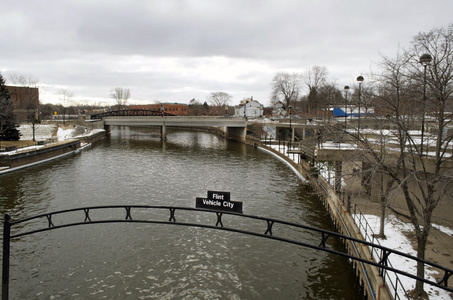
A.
x: 26, y: 103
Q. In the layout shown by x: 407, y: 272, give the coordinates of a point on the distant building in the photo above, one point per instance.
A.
x: 26, y: 103
x: 249, y: 108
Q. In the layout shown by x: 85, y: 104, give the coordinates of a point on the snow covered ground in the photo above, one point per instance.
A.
x: 45, y: 132
x: 394, y: 230
x: 396, y: 239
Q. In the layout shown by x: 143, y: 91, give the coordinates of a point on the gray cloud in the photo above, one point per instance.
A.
x: 177, y: 50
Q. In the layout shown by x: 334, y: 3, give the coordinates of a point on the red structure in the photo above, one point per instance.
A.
x: 171, y: 108
x: 26, y: 103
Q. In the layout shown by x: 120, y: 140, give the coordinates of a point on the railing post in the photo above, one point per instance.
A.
x: 6, y: 254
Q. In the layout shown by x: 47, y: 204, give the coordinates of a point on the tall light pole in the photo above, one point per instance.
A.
x: 360, y: 80
x: 290, y: 128
x: 346, y: 88
x: 425, y: 60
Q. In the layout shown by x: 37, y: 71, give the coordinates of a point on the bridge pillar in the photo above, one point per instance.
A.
x: 238, y: 133
x: 163, y: 133
x: 107, y: 129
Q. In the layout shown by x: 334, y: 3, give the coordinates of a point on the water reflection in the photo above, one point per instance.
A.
x: 124, y: 261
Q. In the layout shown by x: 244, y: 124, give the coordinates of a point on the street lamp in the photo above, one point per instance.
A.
x: 346, y: 88
x: 425, y: 60
x: 360, y: 80
x: 290, y: 128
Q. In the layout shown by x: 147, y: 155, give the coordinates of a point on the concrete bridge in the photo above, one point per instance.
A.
x: 233, y: 127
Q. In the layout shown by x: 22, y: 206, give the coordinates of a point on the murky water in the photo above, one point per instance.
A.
x: 149, y: 261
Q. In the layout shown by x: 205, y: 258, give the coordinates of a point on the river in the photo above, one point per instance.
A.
x: 149, y: 261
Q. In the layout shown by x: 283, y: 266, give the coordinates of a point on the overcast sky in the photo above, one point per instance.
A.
x: 177, y: 50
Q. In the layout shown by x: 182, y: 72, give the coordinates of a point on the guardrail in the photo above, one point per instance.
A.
x: 392, y: 280
x: 396, y: 286
x: 47, y: 222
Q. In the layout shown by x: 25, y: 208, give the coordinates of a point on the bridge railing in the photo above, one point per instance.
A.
x: 130, y: 112
x: 265, y: 227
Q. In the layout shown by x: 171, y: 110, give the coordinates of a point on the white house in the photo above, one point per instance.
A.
x: 249, y: 108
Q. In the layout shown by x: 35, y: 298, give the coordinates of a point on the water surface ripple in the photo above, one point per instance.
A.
x: 146, y: 261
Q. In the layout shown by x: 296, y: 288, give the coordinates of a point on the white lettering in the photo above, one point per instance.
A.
x: 217, y: 196
x: 211, y: 202
x: 228, y: 204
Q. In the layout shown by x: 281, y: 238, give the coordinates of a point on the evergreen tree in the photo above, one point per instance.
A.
x: 8, y: 126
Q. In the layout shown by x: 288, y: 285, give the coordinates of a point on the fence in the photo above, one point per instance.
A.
x: 392, y: 280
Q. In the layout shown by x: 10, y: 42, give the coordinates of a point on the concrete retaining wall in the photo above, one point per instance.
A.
x: 367, y: 275
x: 49, y: 151
x: 22, y: 158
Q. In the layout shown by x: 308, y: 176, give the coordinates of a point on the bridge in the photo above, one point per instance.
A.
x: 232, y: 127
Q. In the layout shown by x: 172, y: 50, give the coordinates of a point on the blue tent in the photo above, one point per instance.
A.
x: 338, y: 112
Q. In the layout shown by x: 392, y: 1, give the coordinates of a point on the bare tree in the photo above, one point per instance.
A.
x: 219, y: 98
x: 23, y: 79
x: 286, y: 88
x: 431, y: 179
x: 65, y: 96
x: 315, y: 78
x: 120, y: 95
x: 26, y: 94
x: 421, y: 177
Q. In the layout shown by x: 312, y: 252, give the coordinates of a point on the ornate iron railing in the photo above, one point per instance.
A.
x: 267, y: 230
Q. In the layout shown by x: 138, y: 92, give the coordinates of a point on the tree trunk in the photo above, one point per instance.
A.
x: 421, y: 248
x: 34, y: 130
x: 383, y: 205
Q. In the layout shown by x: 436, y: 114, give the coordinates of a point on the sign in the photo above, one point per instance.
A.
x: 219, y: 195
x: 219, y: 201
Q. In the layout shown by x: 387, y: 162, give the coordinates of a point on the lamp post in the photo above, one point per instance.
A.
x: 346, y: 88
x: 290, y: 128
x: 360, y: 80
x: 425, y: 60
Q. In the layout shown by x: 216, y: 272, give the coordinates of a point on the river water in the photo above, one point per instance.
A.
x: 149, y: 261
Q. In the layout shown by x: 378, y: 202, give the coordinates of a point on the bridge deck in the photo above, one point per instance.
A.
x: 175, y: 121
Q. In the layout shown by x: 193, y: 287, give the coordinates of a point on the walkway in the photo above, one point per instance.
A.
x: 400, y: 234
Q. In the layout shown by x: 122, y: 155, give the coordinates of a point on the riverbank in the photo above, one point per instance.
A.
x: 364, y: 222
x: 51, y: 142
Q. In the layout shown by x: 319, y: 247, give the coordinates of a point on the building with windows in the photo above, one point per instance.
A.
x: 26, y: 103
x: 249, y: 108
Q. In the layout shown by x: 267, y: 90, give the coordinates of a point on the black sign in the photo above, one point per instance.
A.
x: 219, y: 201
x: 219, y: 195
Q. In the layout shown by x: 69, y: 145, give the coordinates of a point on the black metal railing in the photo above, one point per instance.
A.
x: 394, y: 284
x: 138, y: 214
